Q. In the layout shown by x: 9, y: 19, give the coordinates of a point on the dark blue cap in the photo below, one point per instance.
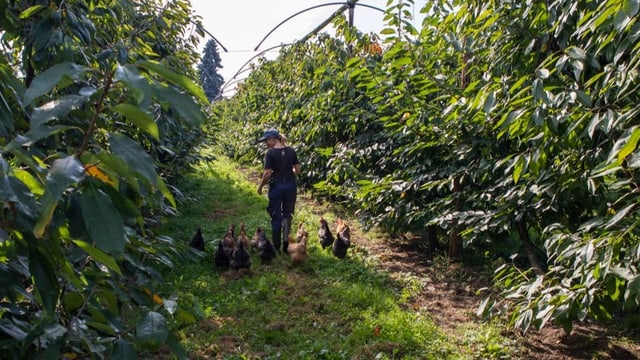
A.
x: 269, y: 133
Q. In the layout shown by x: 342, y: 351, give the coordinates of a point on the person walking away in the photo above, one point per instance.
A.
x: 281, y: 166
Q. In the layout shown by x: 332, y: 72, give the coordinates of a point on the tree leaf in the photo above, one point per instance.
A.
x: 177, y: 348
x: 134, y: 156
x: 103, y: 222
x: 174, y: 78
x: 32, y: 10
x: 124, y: 350
x: 630, y: 7
x: 182, y: 103
x: 44, y: 82
x: 62, y: 174
x: 576, y: 53
x: 44, y: 276
x: 136, y: 83
x: 631, y: 144
x: 165, y: 191
x: 99, y: 256
x: 11, y: 329
x: 490, y: 102
x: 632, y: 293
x: 56, y: 109
x: 619, y: 216
x: 518, y: 168
x: 36, y: 134
x: 152, y: 330
x: 139, y: 118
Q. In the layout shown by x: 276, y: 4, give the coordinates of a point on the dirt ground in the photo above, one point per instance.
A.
x: 451, y: 299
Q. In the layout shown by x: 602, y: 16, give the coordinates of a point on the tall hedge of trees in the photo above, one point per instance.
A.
x: 97, y: 117
x: 508, y: 126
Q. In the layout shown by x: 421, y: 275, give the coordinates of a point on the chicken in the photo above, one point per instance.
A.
x: 302, y: 232
x: 255, y: 240
x: 266, y: 250
x: 242, y: 236
x: 228, y: 242
x: 324, y: 234
x: 221, y: 259
x: 240, y: 257
x: 343, y: 231
x: 197, y: 241
x: 298, y: 250
x: 343, y: 239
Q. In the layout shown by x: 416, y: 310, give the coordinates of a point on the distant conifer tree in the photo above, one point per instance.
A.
x: 210, y: 80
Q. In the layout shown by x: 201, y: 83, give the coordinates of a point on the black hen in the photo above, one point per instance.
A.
x: 324, y: 234
x: 240, y: 257
x: 343, y: 240
x: 197, y: 241
x: 221, y: 259
x: 266, y: 250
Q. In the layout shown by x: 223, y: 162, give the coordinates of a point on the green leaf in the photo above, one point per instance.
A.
x: 175, y: 78
x: 72, y: 301
x: 139, y: 118
x: 62, y: 174
x: 619, y: 216
x: 182, y: 103
x: 117, y: 165
x: 632, y: 293
x: 134, y: 156
x: 44, y: 276
x: 517, y: 169
x: 583, y: 98
x: 103, y: 222
x: 36, y: 134
x: 31, y: 11
x: 56, y: 109
x: 538, y: 89
x: 136, y: 83
x: 630, y: 7
x: 152, y: 330
x: 576, y: 53
x: 631, y: 144
x: 165, y: 191
x: 12, y: 330
x: 490, y: 102
x: 99, y: 256
x: 124, y: 350
x: 621, y: 20
x: 177, y: 348
x: 44, y: 82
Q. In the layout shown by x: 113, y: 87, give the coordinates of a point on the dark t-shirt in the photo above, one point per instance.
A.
x: 281, y: 161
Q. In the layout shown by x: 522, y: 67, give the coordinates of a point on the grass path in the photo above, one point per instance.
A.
x: 325, y: 309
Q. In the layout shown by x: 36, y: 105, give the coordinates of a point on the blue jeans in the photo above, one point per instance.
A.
x: 282, y: 202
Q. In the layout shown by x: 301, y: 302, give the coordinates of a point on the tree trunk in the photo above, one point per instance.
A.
x: 455, y: 243
x: 432, y: 239
x: 532, y: 255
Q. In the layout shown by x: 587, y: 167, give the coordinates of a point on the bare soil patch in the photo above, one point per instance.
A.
x: 450, y: 298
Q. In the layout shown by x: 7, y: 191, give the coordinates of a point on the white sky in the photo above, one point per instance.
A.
x: 240, y: 25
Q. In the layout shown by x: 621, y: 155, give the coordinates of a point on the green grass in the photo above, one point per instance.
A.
x: 325, y: 309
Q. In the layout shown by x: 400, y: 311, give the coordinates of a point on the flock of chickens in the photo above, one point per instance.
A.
x: 234, y: 251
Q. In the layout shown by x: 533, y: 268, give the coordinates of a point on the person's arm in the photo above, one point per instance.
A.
x: 265, y: 179
x: 296, y: 169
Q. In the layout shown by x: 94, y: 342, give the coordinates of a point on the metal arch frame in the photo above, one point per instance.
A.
x: 240, y: 70
x: 291, y: 17
x: 348, y: 5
